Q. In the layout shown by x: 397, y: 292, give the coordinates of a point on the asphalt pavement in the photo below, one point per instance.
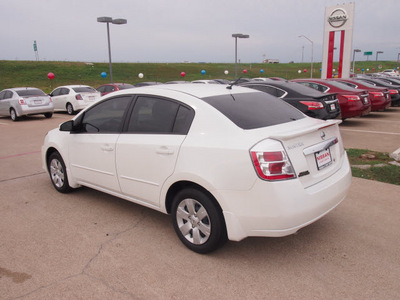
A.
x: 89, y: 245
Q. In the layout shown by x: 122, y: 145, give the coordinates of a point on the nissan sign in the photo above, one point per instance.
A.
x: 338, y: 18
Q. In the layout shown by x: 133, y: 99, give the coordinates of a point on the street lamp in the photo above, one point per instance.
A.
x: 236, y: 36
x: 109, y: 20
x: 354, y: 54
x: 312, y: 51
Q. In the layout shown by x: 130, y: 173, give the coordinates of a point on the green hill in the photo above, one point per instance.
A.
x: 34, y: 73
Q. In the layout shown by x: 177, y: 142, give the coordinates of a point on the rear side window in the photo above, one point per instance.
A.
x: 254, y: 110
x: 159, y: 116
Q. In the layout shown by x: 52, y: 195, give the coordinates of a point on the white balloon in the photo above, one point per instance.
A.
x: 299, y: 71
x: 226, y: 72
x: 140, y: 75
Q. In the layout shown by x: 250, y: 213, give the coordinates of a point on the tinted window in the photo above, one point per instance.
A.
x: 153, y: 115
x: 56, y: 92
x: 254, y: 110
x: 2, y: 94
x: 30, y: 92
x: 125, y: 86
x: 84, y: 89
x: 107, y: 116
x: 156, y: 115
x: 101, y: 89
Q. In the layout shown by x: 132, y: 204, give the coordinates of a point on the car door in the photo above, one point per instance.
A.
x: 57, y: 98
x: 92, y: 147
x: 3, y: 104
x: 148, y: 150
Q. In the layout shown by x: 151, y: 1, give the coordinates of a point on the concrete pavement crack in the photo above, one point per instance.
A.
x: 91, y: 260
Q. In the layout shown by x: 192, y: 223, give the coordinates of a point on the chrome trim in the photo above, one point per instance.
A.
x: 320, y: 146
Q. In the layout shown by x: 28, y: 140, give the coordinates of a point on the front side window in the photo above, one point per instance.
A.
x: 159, y: 116
x: 105, y: 117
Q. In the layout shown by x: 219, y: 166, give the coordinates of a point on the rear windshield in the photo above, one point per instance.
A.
x: 254, y: 110
x: 342, y: 86
x: 125, y: 86
x: 30, y: 92
x: 84, y: 89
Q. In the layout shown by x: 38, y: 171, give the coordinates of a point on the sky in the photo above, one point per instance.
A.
x: 188, y: 30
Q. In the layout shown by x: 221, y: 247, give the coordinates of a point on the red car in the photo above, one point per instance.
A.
x: 379, y: 96
x: 112, y: 87
x: 353, y: 102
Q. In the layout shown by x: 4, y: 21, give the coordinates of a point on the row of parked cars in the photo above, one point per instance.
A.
x: 317, y: 98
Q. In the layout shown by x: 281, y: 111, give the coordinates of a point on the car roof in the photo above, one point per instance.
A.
x: 23, y: 88
x: 196, y: 90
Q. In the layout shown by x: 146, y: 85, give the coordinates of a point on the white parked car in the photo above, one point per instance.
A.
x: 73, y: 98
x: 390, y: 72
x: 24, y: 101
x: 224, y: 161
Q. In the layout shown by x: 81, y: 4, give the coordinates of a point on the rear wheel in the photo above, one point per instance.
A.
x: 58, y: 173
x: 13, y: 115
x: 48, y: 115
x: 198, y: 221
x: 70, y: 109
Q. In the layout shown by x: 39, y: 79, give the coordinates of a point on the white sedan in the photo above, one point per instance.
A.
x: 226, y: 162
x: 73, y: 98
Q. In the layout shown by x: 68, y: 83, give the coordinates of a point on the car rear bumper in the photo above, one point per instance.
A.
x: 24, y: 111
x: 282, y: 208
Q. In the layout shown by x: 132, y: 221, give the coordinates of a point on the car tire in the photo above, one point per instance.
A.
x: 58, y: 173
x: 48, y: 115
x: 13, y: 115
x: 70, y: 109
x: 198, y: 221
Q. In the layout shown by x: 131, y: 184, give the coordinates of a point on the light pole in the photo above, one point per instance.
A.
x: 312, y: 51
x: 109, y: 20
x: 376, y: 60
x: 236, y: 36
x: 354, y: 62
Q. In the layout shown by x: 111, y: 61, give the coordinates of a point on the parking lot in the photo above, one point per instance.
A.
x: 89, y: 245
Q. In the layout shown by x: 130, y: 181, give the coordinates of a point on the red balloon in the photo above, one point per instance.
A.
x: 183, y: 74
x: 305, y: 70
x: 244, y: 71
x: 358, y: 69
x: 50, y: 76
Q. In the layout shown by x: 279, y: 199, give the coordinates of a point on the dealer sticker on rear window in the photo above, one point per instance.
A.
x: 323, y: 158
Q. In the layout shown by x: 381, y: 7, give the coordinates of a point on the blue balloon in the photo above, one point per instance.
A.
x: 203, y: 72
x: 103, y: 74
x: 261, y: 71
x: 362, y: 70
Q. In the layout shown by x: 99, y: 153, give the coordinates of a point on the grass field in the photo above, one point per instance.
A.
x: 33, y: 73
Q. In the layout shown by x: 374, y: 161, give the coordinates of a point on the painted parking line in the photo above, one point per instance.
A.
x: 19, y: 154
x: 369, y: 131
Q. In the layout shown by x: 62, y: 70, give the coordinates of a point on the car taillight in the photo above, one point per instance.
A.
x: 78, y: 97
x: 352, y: 97
x: 21, y: 101
x: 393, y: 92
x: 271, y: 161
x: 376, y: 94
x: 313, y: 105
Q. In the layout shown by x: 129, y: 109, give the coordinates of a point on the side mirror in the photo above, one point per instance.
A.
x: 67, y: 126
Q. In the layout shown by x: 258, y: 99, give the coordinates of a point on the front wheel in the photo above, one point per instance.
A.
x: 198, y: 221
x: 58, y: 173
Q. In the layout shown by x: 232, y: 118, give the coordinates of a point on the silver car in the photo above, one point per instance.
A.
x: 23, y: 101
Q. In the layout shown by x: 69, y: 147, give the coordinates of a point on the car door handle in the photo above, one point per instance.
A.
x: 107, y: 148
x: 164, y: 151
